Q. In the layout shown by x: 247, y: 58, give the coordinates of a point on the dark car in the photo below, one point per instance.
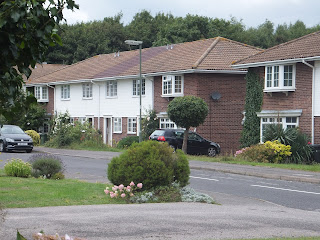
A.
x: 14, y: 138
x: 196, y: 143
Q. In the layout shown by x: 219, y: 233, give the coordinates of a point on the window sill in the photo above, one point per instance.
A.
x: 117, y: 132
x: 111, y: 97
x: 42, y: 100
x: 87, y: 98
x: 131, y: 133
x: 172, y: 95
x: 65, y: 99
x: 137, y: 96
x: 279, y: 90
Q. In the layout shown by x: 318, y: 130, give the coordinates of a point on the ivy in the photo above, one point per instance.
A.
x: 251, y: 130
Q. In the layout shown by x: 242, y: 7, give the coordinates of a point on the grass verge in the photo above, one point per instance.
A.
x: 299, y: 238
x: 30, y: 192
x: 232, y: 160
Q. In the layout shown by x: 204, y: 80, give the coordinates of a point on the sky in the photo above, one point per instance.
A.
x: 251, y: 12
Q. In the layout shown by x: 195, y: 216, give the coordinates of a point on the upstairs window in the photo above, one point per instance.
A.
x: 111, y: 88
x: 65, y: 92
x: 166, y: 123
x: 136, y: 87
x: 172, y: 85
x: 41, y: 93
x: 279, y: 78
x: 87, y: 90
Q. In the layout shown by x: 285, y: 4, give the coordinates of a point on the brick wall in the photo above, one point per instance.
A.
x: 223, y: 123
x: 301, y: 98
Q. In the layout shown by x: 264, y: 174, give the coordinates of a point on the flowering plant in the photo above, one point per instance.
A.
x: 122, y: 191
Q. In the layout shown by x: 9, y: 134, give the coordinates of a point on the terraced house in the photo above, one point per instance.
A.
x: 291, y: 75
x: 105, y: 89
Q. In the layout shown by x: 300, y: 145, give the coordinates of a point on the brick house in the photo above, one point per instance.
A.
x: 291, y: 75
x: 105, y: 89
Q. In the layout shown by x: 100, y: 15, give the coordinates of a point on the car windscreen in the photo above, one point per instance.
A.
x: 11, y: 130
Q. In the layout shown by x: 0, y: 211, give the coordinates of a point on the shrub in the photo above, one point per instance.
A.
x: 281, y: 151
x: 127, y: 141
x: 149, y: 124
x: 257, y: 153
x: 17, y: 168
x: 46, y: 165
x: 35, y: 137
x: 150, y: 162
x: 301, y: 150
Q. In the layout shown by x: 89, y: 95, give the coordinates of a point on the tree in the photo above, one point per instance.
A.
x: 186, y: 112
x: 27, y: 28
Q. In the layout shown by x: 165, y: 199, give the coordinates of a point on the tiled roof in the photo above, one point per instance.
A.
x: 304, y: 47
x: 209, y: 54
x: 42, y: 70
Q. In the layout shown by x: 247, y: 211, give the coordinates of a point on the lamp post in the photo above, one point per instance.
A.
x: 136, y: 43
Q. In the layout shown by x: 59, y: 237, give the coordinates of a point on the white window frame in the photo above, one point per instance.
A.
x: 87, y: 91
x: 136, y: 87
x: 41, y: 93
x: 275, y: 78
x: 65, y: 92
x: 166, y: 123
x: 111, y: 89
x: 285, y: 118
x: 117, y: 125
x: 82, y: 120
x: 132, y: 125
x: 172, y: 85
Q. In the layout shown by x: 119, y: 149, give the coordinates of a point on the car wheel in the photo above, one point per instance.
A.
x: 212, y: 152
x: 2, y: 147
x: 29, y: 151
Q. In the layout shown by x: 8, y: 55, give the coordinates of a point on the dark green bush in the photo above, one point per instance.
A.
x: 127, y: 141
x: 46, y: 165
x: 150, y: 162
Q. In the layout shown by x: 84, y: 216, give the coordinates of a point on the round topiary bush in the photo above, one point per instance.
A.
x: 35, y: 136
x: 150, y: 162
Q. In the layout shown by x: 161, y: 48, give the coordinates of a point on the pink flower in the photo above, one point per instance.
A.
x: 132, y: 184
x: 123, y: 195
x: 139, y: 185
x: 112, y: 195
x: 131, y: 195
x: 121, y: 186
x: 106, y: 191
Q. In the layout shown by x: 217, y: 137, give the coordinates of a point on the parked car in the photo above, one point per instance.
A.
x: 196, y: 143
x: 14, y: 138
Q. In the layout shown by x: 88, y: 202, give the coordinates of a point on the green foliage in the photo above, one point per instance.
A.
x: 27, y: 28
x: 127, y: 141
x: 301, y: 150
x: 188, y: 111
x: 58, y: 176
x: 35, y: 137
x: 149, y: 124
x: 281, y: 151
x: 17, y: 168
x: 251, y: 129
x: 46, y: 165
x: 65, y: 134
x: 150, y: 162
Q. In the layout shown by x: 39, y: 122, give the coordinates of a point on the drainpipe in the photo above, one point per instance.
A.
x: 98, y: 105
x: 313, y: 96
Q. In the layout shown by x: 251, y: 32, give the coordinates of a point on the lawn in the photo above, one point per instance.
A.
x: 233, y: 160
x: 30, y: 192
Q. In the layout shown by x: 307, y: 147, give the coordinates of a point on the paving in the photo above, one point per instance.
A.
x: 234, y: 218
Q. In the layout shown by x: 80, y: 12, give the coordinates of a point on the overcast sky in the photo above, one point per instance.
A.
x: 252, y: 12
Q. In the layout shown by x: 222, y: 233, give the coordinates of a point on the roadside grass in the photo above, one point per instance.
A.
x: 299, y: 238
x: 232, y: 160
x: 31, y: 192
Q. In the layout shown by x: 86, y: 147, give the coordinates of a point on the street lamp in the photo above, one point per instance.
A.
x: 136, y: 43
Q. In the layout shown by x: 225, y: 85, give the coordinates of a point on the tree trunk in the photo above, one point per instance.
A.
x: 185, y: 140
